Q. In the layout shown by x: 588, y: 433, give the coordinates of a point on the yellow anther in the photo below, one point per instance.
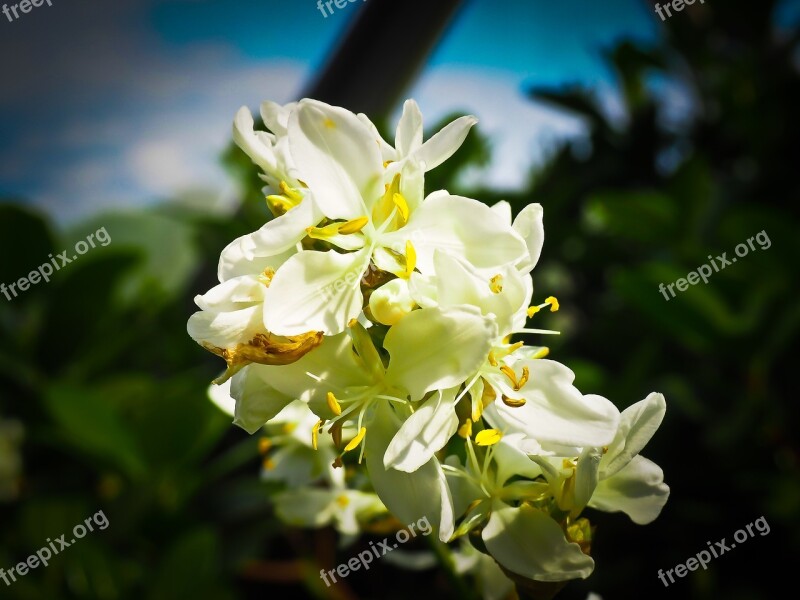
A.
x: 264, y: 445
x: 488, y: 437
x: 289, y: 428
x: 266, y: 276
x: 411, y: 259
x: 333, y: 404
x: 605, y: 449
x: 513, y: 403
x: 465, y: 431
x: 492, y: 360
x: 356, y: 440
x: 402, y: 206
x: 353, y: 226
x: 268, y: 464
x: 551, y: 301
x: 315, y: 433
x: 342, y: 500
x: 496, y: 284
x: 352, y: 322
x: 290, y: 192
x: 386, y: 163
x: 279, y: 205
x: 526, y: 373
x: 509, y: 372
x: 542, y: 352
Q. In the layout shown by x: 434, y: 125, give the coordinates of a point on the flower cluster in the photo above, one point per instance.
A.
x: 390, y: 315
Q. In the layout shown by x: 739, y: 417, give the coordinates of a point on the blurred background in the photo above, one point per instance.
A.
x: 650, y: 144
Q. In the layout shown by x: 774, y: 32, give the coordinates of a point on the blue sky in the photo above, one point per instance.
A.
x: 125, y: 103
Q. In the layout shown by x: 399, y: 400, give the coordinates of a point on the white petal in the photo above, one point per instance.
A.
x: 234, y: 263
x: 232, y: 314
x: 424, y: 433
x: 457, y: 341
x: 503, y: 209
x: 408, y: 137
x: 529, y: 226
x: 256, y: 400
x: 511, y: 461
x: 445, y: 143
x: 637, y: 425
x: 388, y: 153
x: 638, y: 490
x: 315, y: 291
x: 273, y: 239
x: 463, y: 227
x: 555, y: 410
x: 337, y: 158
x: 221, y: 397
x: 528, y: 542
x: 276, y: 117
x: 460, y: 283
x: 409, y: 496
x: 257, y: 147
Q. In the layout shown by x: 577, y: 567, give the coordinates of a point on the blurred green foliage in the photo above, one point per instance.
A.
x: 111, y: 391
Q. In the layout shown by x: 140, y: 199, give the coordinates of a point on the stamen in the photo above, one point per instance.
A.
x: 264, y: 445
x: 342, y: 501
x: 411, y: 259
x: 356, y: 440
x: 465, y: 431
x: 544, y: 351
x: 268, y: 464
x: 550, y: 301
x: 401, y: 204
x: 492, y: 360
x: 315, y: 433
x: 513, y: 403
x: 488, y: 437
x: 353, y: 226
x: 333, y: 404
x: 290, y: 192
x: 509, y: 372
x: 496, y: 284
x: 526, y: 373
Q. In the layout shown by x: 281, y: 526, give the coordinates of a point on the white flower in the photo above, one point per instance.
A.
x: 614, y: 478
x: 337, y: 158
x: 347, y: 510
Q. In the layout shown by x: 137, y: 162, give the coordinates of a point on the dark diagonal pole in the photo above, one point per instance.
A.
x: 381, y: 54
